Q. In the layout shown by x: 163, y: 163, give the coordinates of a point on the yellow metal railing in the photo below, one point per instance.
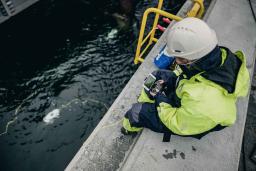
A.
x: 196, y: 11
x: 151, y: 34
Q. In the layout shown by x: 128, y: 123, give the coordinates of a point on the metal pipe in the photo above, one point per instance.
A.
x: 160, y: 4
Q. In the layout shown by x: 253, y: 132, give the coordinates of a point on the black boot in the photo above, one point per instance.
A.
x: 126, y: 132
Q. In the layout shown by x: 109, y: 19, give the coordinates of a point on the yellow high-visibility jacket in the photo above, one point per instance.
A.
x: 204, y: 104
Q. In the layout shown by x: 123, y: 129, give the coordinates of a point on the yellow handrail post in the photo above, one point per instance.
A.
x: 197, y: 10
x: 142, y: 29
x: 160, y: 4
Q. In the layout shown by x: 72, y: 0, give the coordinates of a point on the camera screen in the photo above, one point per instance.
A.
x: 149, y: 81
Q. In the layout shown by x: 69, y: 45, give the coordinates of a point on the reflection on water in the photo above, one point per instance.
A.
x: 49, y: 118
x: 62, y: 65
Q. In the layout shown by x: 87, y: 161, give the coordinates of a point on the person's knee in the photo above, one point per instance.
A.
x: 133, y: 114
x: 127, y: 127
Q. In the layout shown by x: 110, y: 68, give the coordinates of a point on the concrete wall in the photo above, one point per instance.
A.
x: 9, y: 8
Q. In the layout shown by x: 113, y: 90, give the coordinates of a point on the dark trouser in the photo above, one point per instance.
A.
x: 145, y: 115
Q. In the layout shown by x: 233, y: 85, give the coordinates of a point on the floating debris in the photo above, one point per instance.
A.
x: 49, y: 118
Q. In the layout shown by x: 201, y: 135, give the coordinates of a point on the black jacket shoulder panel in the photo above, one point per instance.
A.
x: 225, y: 75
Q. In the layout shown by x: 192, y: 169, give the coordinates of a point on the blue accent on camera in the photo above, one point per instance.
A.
x: 163, y: 61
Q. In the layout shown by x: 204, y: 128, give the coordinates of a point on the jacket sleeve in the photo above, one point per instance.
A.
x: 144, y: 97
x: 183, y: 121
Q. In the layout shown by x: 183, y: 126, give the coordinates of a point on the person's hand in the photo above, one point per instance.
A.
x: 161, y: 81
x: 152, y: 94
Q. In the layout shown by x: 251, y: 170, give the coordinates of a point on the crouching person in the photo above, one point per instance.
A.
x: 202, y: 97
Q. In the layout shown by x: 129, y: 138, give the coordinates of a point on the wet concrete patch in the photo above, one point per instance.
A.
x: 174, y: 154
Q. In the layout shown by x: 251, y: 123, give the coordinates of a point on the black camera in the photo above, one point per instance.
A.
x: 157, y: 87
x: 152, y: 85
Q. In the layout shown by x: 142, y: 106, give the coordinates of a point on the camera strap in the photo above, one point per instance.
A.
x: 167, y: 137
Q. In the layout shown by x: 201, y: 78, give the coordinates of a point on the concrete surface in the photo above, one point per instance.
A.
x: 253, y: 2
x: 106, y: 148
x: 236, y: 29
x: 249, y: 139
x: 18, y: 6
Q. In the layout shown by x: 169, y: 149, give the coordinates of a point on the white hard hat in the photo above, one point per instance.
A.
x: 190, y: 38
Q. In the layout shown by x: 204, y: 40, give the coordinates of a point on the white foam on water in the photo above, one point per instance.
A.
x: 112, y: 34
x: 49, y: 118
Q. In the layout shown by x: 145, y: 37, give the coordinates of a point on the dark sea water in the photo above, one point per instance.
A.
x: 62, y: 65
